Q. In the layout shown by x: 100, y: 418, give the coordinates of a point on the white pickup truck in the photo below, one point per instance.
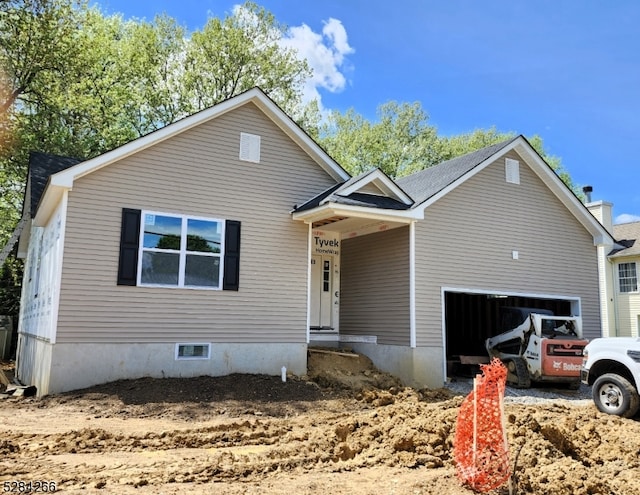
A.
x: 612, y: 367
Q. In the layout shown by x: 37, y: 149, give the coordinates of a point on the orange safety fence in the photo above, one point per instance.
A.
x: 481, y: 451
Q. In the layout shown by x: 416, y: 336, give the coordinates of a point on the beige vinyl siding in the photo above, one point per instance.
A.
x: 374, y: 286
x: 467, y: 239
x: 371, y: 189
x: 197, y: 172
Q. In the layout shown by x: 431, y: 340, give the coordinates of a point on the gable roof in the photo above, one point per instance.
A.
x: 41, y: 167
x: 428, y: 182
x: 628, y: 238
x: 433, y: 183
x: 429, y: 185
x: 63, y: 180
x: 373, y: 189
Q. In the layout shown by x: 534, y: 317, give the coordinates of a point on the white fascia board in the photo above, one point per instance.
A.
x: 23, y: 240
x: 291, y: 129
x: 49, y: 201
x: 334, y: 209
x: 475, y: 170
x: 569, y: 200
x: 66, y: 178
x: 382, y: 182
x: 548, y: 176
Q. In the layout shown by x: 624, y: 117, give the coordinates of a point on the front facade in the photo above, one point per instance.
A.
x: 230, y: 242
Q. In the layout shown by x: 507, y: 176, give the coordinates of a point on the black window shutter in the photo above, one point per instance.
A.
x: 129, y: 239
x: 231, y: 256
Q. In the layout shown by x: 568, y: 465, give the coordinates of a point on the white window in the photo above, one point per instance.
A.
x: 628, y: 277
x: 180, y: 251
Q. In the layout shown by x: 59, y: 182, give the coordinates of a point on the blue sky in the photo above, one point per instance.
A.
x: 568, y: 71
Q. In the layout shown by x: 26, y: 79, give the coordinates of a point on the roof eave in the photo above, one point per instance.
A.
x: 600, y: 234
x: 380, y: 180
x: 50, y: 199
x: 66, y: 178
x: 335, y: 209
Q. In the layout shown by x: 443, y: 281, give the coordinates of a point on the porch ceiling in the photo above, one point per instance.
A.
x: 351, y: 221
x: 354, y: 226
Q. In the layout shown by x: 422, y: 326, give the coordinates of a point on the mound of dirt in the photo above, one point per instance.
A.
x: 344, y: 369
x: 346, y: 427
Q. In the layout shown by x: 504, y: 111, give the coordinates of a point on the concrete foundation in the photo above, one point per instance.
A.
x: 417, y: 367
x: 67, y: 367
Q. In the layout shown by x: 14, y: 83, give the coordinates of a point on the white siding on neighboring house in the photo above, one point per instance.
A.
x: 628, y: 303
x: 628, y: 314
x: 195, y: 173
x: 468, y: 238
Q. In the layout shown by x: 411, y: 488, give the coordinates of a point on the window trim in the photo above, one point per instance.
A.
x: 182, y: 253
x: 128, y: 262
x: 627, y: 279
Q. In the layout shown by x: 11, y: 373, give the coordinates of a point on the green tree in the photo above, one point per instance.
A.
x: 400, y: 143
x: 78, y: 83
x: 36, y: 45
x: 462, y: 144
x: 234, y: 54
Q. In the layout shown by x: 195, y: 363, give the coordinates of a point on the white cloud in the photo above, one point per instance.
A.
x: 626, y: 218
x: 325, y: 53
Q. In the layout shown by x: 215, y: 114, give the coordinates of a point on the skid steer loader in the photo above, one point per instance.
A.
x: 541, y: 348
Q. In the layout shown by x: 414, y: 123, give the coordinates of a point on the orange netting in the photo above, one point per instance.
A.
x: 481, y: 451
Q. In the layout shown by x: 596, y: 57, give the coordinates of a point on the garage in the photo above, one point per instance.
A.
x: 472, y: 317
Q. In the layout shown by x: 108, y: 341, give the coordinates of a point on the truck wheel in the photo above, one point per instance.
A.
x: 614, y: 394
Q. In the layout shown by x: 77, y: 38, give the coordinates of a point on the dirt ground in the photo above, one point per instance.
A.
x: 345, y: 428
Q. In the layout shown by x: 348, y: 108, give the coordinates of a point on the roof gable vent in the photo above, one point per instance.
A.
x: 512, y: 171
x: 249, y: 147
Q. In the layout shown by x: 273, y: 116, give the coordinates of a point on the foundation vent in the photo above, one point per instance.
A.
x: 193, y: 351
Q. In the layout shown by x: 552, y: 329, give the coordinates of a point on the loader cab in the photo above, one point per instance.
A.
x: 512, y: 316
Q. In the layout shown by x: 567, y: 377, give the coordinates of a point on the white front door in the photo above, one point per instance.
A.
x: 321, y: 290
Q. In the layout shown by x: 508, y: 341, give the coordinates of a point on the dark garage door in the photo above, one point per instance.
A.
x: 470, y: 319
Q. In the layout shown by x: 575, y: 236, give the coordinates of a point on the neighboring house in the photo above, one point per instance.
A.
x: 230, y: 242
x: 619, y: 264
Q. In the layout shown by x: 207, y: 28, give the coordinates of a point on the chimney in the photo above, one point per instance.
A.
x: 587, y: 190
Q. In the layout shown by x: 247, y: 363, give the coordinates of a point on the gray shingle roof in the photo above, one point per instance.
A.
x: 428, y: 182
x: 628, y: 236
x: 41, y: 167
x: 353, y: 199
x: 420, y: 186
x: 333, y: 195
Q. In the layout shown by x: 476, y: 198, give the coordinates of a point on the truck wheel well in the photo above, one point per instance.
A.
x: 609, y: 366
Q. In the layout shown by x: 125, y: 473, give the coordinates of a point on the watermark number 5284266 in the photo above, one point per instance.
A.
x: 19, y: 486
